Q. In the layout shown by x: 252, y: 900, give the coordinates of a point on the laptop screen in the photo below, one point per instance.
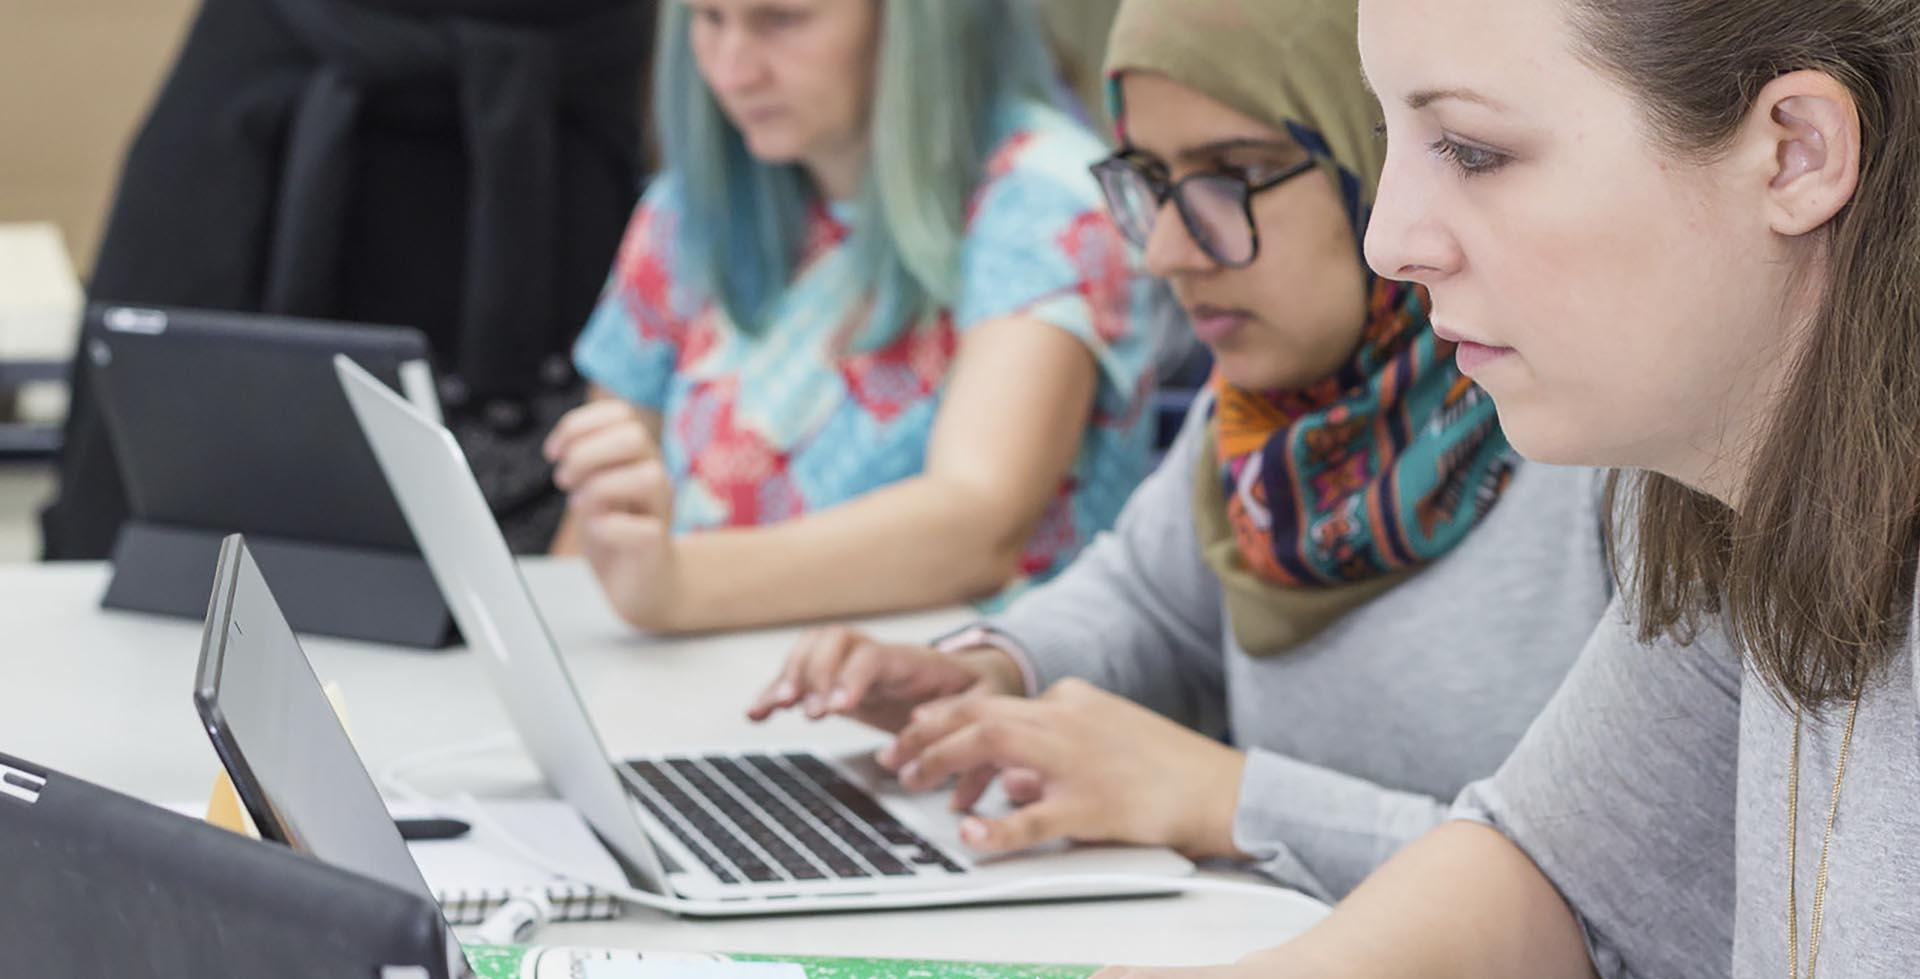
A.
x: 276, y: 732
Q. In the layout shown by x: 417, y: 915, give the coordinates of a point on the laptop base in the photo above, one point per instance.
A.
x: 330, y: 589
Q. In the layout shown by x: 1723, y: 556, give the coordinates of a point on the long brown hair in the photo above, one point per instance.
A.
x: 1813, y: 574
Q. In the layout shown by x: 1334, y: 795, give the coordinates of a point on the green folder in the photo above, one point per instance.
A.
x: 535, y: 962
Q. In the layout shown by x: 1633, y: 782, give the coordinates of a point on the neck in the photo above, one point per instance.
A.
x: 1720, y: 461
x: 838, y: 172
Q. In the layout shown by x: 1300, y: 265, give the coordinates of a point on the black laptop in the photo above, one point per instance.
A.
x: 95, y: 884
x: 235, y: 423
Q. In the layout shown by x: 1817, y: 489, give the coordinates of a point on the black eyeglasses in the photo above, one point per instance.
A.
x: 1216, y: 207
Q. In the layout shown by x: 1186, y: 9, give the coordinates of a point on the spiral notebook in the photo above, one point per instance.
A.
x: 478, y: 872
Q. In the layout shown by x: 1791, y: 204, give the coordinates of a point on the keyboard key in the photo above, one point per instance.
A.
x: 746, y: 820
x: 725, y: 872
x: 782, y: 810
x: 877, y: 830
x: 724, y: 838
x: 803, y: 812
x: 863, y: 806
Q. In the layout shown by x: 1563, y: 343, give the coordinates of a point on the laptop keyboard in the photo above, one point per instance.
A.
x: 792, y: 817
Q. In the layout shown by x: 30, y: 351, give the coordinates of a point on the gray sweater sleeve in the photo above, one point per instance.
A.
x: 1139, y: 612
x: 1322, y: 831
x: 1623, y: 793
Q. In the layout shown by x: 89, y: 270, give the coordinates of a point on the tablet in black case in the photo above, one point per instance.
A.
x: 96, y: 884
x: 235, y: 423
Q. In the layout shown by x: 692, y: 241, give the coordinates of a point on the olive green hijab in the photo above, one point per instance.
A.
x: 1292, y: 64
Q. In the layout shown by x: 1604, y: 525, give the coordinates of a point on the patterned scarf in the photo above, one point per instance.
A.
x: 1376, y: 470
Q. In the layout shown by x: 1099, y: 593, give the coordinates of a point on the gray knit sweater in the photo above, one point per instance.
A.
x: 1359, y: 738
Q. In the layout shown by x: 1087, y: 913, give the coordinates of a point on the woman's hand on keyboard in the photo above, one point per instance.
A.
x: 841, y: 671
x: 1081, y: 764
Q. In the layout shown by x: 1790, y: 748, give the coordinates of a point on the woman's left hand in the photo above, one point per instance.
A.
x: 620, y: 502
x: 1081, y: 763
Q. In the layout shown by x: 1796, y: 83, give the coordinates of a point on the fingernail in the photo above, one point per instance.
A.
x: 885, y: 757
x: 910, y: 774
x: 973, y: 831
x: 786, y: 692
x: 814, y: 705
x: 841, y: 699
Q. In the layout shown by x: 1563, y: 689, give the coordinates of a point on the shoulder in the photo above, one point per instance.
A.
x: 648, y: 273
x: 1037, y: 170
x: 660, y: 205
x: 651, y: 229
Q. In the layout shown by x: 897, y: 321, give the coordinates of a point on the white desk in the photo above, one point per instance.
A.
x: 106, y: 696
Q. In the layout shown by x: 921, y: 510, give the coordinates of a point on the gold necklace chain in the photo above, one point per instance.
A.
x: 1826, y: 842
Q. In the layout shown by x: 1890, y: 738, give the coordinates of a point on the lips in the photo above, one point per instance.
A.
x: 1450, y: 335
x: 1473, y: 358
x: 1215, y: 324
x: 1470, y: 355
x: 754, y: 115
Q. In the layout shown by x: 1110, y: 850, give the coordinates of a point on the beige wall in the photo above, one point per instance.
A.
x: 76, y: 77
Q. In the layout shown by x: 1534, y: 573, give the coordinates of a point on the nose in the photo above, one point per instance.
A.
x: 1171, y: 249
x: 1407, y: 238
x: 734, y: 62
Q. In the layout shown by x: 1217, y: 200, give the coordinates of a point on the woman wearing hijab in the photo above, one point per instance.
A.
x: 1340, y: 598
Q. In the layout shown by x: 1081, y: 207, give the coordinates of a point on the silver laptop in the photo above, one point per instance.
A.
x: 739, y: 832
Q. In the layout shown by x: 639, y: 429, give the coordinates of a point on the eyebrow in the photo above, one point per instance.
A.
x: 1221, y: 147
x: 1426, y: 97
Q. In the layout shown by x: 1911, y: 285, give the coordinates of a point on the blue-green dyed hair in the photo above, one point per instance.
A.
x: 945, y: 69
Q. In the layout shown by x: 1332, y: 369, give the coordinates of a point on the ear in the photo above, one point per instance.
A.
x: 1809, y: 127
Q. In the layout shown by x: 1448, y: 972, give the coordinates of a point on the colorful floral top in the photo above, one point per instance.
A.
x: 758, y: 430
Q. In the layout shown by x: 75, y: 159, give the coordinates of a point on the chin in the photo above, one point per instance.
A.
x: 773, y: 148
x: 1259, y: 377
x: 1556, y: 438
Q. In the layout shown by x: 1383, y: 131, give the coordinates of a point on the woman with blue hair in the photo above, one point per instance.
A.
x: 870, y: 343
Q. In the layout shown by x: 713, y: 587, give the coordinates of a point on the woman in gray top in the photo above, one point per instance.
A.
x: 1682, y: 237
x: 1338, y: 600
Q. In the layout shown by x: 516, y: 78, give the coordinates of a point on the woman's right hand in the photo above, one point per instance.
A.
x: 841, y: 671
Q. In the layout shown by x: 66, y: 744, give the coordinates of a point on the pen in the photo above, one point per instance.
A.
x: 436, y: 828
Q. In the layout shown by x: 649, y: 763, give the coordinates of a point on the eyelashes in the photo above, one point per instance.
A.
x: 1468, y: 159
